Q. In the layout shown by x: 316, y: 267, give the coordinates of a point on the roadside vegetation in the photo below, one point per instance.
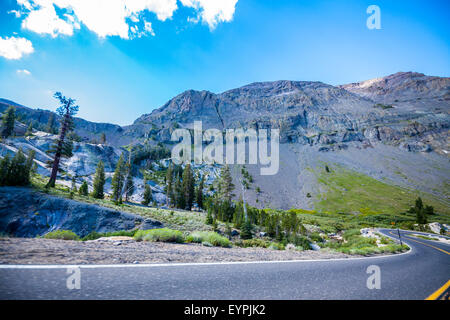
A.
x: 354, y: 243
x: 62, y: 235
x: 295, y: 229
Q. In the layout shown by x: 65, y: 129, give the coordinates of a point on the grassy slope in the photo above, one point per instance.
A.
x: 352, y: 192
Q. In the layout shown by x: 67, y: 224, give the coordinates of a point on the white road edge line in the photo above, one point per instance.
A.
x: 96, y: 266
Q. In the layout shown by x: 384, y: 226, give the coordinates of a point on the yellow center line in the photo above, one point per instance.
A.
x: 439, y: 291
x: 442, y: 289
x: 429, y: 245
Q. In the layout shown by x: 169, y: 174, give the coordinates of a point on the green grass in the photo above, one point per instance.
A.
x: 160, y: 235
x: 209, y: 237
x: 96, y: 235
x: 62, y: 235
x: 356, y: 244
x: 352, y: 192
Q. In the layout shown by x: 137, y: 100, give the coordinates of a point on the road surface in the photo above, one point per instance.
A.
x: 418, y: 274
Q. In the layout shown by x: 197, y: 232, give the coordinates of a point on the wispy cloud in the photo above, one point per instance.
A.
x: 121, y: 18
x: 14, y: 48
x: 23, y: 72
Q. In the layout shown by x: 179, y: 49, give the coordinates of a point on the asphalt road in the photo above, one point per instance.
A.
x: 413, y: 275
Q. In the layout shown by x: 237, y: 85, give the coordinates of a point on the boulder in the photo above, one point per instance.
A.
x: 150, y: 224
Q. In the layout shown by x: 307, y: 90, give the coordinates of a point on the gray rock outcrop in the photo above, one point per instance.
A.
x: 27, y: 213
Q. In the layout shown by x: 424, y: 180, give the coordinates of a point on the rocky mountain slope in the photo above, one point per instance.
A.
x: 393, y: 129
x: 43, y: 213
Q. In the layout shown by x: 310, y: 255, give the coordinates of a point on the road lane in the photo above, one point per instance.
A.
x: 414, y: 275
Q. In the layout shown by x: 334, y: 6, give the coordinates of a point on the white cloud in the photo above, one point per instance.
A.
x: 148, y: 28
x: 44, y: 20
x: 14, y: 48
x: 18, y: 14
x: 121, y: 18
x: 212, y: 12
x: 24, y: 72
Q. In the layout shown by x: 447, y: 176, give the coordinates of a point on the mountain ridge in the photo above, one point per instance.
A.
x: 408, y: 109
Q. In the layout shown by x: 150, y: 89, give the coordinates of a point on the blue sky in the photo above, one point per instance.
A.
x: 116, y: 76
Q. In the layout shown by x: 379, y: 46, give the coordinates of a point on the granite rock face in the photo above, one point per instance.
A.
x: 26, y: 213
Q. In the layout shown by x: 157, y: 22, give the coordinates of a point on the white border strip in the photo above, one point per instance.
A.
x: 151, y: 265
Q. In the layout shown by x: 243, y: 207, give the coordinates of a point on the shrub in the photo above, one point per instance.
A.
x: 276, y: 246
x: 316, y: 237
x: 62, y: 235
x: 246, y: 232
x: 95, y: 235
x: 385, y: 240
x: 254, y: 243
x: 83, y: 191
x: 159, y: 235
x: 302, y: 242
x: 351, y: 233
x: 210, y: 237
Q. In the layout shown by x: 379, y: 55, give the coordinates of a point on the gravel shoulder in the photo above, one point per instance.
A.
x: 46, y: 251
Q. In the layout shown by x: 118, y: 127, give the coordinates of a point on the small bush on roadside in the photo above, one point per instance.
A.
x: 209, y: 236
x: 62, y: 235
x: 95, y: 235
x: 316, y: 237
x: 302, y: 242
x: 276, y: 246
x: 159, y: 235
x: 258, y: 243
x: 351, y: 233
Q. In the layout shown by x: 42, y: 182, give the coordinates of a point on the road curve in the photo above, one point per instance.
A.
x: 418, y: 274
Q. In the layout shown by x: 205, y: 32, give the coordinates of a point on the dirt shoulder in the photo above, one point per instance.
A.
x: 46, y: 251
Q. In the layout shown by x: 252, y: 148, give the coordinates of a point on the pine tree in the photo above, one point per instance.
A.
x: 50, y: 128
x: 129, y: 186
x: 29, y: 166
x: 419, y: 204
x: 199, y: 195
x: 209, y: 217
x: 73, y: 188
x: 179, y: 193
x: 188, y: 187
x: 83, y: 191
x: 4, y: 169
x: 99, y: 181
x: 8, y: 119
x: 29, y: 131
x: 18, y: 172
x: 62, y: 148
x: 226, y: 185
x: 118, y: 180
x: 246, y: 232
x: 147, y: 198
x: 429, y: 210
